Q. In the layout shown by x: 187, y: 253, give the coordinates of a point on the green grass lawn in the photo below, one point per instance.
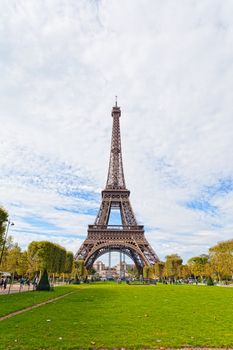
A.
x: 17, y: 301
x: 115, y: 316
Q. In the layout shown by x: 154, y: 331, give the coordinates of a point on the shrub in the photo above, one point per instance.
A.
x: 210, y: 282
x: 44, y: 281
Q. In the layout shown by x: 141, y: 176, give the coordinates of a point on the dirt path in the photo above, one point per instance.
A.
x: 34, y: 306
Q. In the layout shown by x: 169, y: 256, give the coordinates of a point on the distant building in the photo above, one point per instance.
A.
x: 99, y: 266
x: 118, y: 271
x: 123, y: 268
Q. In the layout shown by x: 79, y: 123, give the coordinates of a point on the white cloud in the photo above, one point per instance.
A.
x: 169, y: 62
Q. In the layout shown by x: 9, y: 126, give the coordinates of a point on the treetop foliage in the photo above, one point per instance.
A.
x: 3, y: 215
x: 223, y: 247
x: 3, y: 220
x: 45, y: 255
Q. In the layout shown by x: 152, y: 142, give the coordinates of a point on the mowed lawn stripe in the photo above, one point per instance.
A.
x: 33, y: 306
x: 115, y: 316
x: 18, y: 301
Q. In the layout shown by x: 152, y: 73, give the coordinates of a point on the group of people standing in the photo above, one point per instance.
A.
x: 23, y: 282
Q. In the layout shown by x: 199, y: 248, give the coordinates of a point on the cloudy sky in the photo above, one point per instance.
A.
x: 171, y: 64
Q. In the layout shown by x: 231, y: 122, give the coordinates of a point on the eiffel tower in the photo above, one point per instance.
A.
x: 127, y: 238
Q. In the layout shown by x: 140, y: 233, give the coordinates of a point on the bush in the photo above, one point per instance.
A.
x: 44, y: 281
x: 210, y: 282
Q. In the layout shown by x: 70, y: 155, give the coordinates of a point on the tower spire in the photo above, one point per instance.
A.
x: 115, y: 179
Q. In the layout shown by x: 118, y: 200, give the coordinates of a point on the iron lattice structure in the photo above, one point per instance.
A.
x: 128, y: 237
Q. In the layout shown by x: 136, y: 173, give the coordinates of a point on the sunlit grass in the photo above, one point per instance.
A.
x: 115, y: 316
x: 18, y: 301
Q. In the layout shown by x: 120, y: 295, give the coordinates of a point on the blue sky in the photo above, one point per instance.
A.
x: 171, y: 65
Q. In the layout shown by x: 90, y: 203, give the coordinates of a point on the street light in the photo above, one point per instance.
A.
x: 9, y: 223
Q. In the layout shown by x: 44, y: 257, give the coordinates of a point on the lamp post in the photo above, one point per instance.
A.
x: 9, y: 223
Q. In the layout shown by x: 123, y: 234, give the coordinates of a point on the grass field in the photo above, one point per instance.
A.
x: 115, y: 316
x: 13, y: 302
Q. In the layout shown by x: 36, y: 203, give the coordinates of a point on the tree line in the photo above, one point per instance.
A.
x: 41, y: 258
x: 47, y: 257
x: 216, y: 266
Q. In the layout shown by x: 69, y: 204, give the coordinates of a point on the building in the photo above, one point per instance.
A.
x: 99, y: 266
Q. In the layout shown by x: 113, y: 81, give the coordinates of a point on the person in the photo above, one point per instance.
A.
x: 1, y: 282
x: 35, y: 282
x: 5, y: 283
x: 27, y: 282
x: 21, y: 283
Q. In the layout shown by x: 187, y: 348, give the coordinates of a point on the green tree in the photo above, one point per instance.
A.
x: 3, y: 220
x: 69, y: 262
x: 79, y: 269
x: 172, y: 266
x: 145, y: 272
x: 148, y: 272
x: 133, y: 271
x: 197, y: 265
x: 209, y: 270
x: 8, y: 244
x: 159, y: 269
x: 3, y: 227
x: 12, y: 258
x: 44, y: 281
x: 22, y: 268
x: 221, y: 259
x: 46, y: 257
x: 184, y: 271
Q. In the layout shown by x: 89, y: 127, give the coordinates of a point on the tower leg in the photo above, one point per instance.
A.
x: 109, y: 263
x: 120, y: 264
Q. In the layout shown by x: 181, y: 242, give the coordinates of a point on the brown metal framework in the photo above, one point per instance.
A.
x: 128, y: 237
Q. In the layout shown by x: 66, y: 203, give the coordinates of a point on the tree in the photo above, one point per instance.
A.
x: 184, y: 271
x: 145, y: 272
x: 133, y: 271
x: 69, y: 262
x: 12, y: 258
x: 44, y: 281
x: 197, y: 265
x: 3, y: 227
x: 3, y: 220
x: 16, y: 260
x: 79, y: 269
x: 22, y: 268
x: 209, y: 270
x: 8, y: 244
x: 46, y: 257
x: 221, y: 259
x: 159, y: 269
x: 148, y: 272
x: 172, y: 266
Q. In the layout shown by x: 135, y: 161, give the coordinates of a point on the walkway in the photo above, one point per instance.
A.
x: 15, y: 288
